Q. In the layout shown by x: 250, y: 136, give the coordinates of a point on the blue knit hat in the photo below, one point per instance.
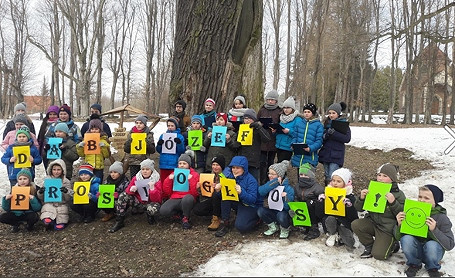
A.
x: 62, y: 127
x: 24, y: 172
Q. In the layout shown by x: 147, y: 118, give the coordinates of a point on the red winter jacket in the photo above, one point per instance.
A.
x: 155, y: 195
x: 168, y: 185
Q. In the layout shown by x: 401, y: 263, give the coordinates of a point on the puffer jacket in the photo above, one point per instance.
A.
x: 169, y: 160
x: 34, y: 152
x: 11, y: 138
x: 333, y: 146
x: 94, y: 187
x: 136, y: 159
x: 96, y: 160
x: 74, y: 131
x: 155, y: 194
x: 309, y: 132
x: 171, y: 194
x: 284, y: 141
x: 57, y: 211
x: 307, y: 189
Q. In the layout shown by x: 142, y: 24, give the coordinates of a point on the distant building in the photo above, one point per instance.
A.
x: 37, y: 104
x: 429, y: 68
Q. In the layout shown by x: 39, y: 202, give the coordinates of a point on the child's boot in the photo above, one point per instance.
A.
x: 284, y: 232
x: 367, y: 252
x: 223, y: 230
x: 119, y: 223
x: 151, y: 219
x: 313, y: 233
x: 215, y: 223
x: 273, y: 228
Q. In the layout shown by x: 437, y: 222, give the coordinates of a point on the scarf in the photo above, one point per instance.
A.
x: 288, y: 118
x: 270, y: 106
x: 135, y: 130
x: 153, y: 178
x: 238, y: 112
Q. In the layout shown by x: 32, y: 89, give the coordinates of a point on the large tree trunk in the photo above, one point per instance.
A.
x: 217, y: 53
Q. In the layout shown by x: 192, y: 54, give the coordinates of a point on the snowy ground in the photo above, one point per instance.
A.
x: 300, y: 258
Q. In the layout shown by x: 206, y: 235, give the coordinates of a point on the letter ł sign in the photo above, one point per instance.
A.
x: 54, y: 151
x: 138, y: 143
x: 22, y: 153
x: 21, y: 198
x: 52, y: 193
x: 228, y: 192
x: 92, y: 143
x: 81, y: 190
x: 333, y: 203
x: 206, y: 181
x: 245, y: 136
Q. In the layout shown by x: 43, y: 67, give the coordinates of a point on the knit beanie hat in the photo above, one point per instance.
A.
x: 438, y: 195
x: 210, y: 100
x: 117, y: 167
x: 222, y: 115
x: 390, y: 170
x: 289, y: 102
x: 344, y: 173
x: 65, y: 108
x: 52, y: 108
x: 86, y: 169
x: 272, y: 94
x: 24, y: 130
x: 186, y: 158
x: 174, y: 120
x: 220, y: 160
x: 280, y: 168
x: 148, y: 163
x: 142, y: 118
x: 311, y: 107
x: 96, y: 123
x: 307, y: 169
x: 197, y: 119
x: 62, y: 127
x: 337, y: 107
x: 96, y: 106
x: 20, y: 118
x: 250, y: 113
x: 240, y: 98
x: 20, y: 106
x: 24, y: 172
x: 181, y: 102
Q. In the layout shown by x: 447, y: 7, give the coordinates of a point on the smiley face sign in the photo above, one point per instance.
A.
x: 416, y: 215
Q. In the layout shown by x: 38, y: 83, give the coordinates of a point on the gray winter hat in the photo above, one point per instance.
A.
x: 20, y: 106
x: 335, y: 107
x: 20, y: 118
x: 250, y: 113
x: 272, y: 94
x: 289, y: 102
x: 390, y: 170
x: 186, y: 158
x: 148, y: 163
x: 240, y: 98
x: 280, y: 168
x: 117, y: 166
x: 142, y: 118
x: 308, y: 170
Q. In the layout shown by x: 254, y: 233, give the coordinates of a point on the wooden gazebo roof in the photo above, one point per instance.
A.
x: 153, y: 119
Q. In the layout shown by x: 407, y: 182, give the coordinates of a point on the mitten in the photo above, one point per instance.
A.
x: 90, y: 195
x: 47, y: 147
x: 177, y: 140
x: 321, y: 197
x: 64, y: 189
x: 330, y: 130
x: 347, y: 202
x: 291, y: 213
x: 133, y: 188
x: 203, y: 149
x: 102, y: 144
x: 115, y: 195
x: 255, y: 125
x: 81, y: 144
x: 160, y: 142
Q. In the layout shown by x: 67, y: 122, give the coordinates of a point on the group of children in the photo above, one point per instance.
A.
x: 260, y: 181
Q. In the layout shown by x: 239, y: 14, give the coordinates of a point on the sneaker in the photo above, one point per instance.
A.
x: 15, y: 229
x: 223, y: 230
x: 284, y: 233
x: 107, y: 217
x: 434, y: 272
x: 273, y: 228
x: 186, y: 223
x: 367, y: 252
x: 177, y: 217
x: 412, y: 270
x: 331, y: 240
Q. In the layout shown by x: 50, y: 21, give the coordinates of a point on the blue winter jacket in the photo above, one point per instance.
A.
x: 34, y: 152
x: 169, y: 160
x: 74, y: 132
x: 333, y: 146
x: 249, y: 195
x: 284, y: 141
x: 309, y: 132
x: 272, y: 184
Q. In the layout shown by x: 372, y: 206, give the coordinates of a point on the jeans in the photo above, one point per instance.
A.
x: 270, y: 215
x: 246, y: 218
x: 329, y: 168
x: 416, y: 252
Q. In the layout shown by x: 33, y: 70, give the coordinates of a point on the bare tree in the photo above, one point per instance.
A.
x: 275, y: 10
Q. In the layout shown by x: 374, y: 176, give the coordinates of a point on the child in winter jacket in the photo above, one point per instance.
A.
x: 289, y: 119
x: 15, y: 217
x: 277, y: 219
x: 209, y: 114
x: 431, y: 249
x: 375, y: 230
x: 331, y: 154
x: 55, y: 215
x: 181, y: 202
x: 339, y: 227
x: 64, y: 116
x: 19, y: 121
x: 23, y: 138
x: 198, y: 157
x: 121, y: 182
x: 133, y: 161
x: 88, y: 211
x: 235, y: 114
x: 96, y: 160
x: 132, y: 198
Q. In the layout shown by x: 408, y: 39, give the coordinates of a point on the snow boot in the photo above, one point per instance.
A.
x: 273, y: 228
x: 284, y: 232
x: 215, y: 223
x: 223, y: 230
x: 119, y: 223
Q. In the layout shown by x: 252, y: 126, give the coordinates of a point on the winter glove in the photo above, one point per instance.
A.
x: 115, y: 195
x: 47, y: 147
x: 255, y: 125
x: 330, y: 130
x: 133, y: 188
x: 321, y: 197
x: 291, y: 213
x: 347, y: 202
x: 102, y: 144
x: 160, y: 142
x: 90, y: 195
x: 41, y: 190
x: 81, y: 144
x: 177, y: 140
x: 64, y: 189
x: 203, y: 149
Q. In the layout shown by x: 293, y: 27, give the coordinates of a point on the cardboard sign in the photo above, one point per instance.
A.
x: 275, y: 199
x: 302, y: 215
x: 416, y: 215
x: 52, y: 193
x: 21, y: 198
x: 143, y: 188
x: 106, y: 198
x: 169, y: 146
x: 195, y: 139
x: 54, y: 151
x: 333, y: 203
x: 375, y: 201
x: 138, y: 143
x: 245, y: 136
x: 92, y: 143
x: 228, y: 192
x: 81, y: 190
x: 22, y: 153
x: 206, y: 181
x: 181, y: 180
x: 219, y: 136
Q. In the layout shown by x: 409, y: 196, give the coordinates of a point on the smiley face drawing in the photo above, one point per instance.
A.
x: 415, y: 218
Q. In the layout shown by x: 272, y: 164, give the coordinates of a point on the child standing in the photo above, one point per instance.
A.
x: 88, y: 211
x: 50, y: 118
x: 289, y: 119
x: 181, y: 202
x: 331, y: 154
x: 131, y: 197
x: 64, y: 116
x: 55, y: 215
x: 96, y: 160
x: 198, y: 156
x: 15, y: 217
x: 19, y: 109
x: 134, y: 160
x: 429, y: 250
x: 179, y: 112
x: 277, y: 177
x: 375, y: 230
x: 209, y: 114
x: 339, y: 227
x: 235, y: 114
x: 120, y: 180
x: 19, y: 121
